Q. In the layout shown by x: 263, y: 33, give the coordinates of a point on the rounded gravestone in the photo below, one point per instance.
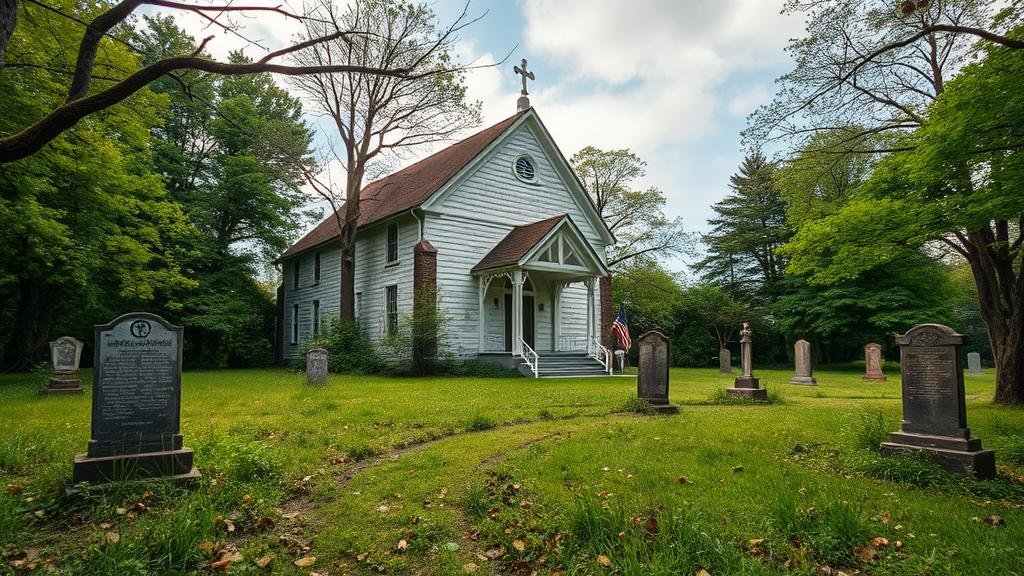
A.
x: 802, y: 361
x: 316, y: 367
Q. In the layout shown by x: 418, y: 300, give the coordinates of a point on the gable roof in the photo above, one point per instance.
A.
x: 407, y: 188
x: 517, y: 244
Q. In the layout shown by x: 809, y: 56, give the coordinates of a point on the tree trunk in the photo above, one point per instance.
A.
x: 32, y: 325
x: 8, y: 18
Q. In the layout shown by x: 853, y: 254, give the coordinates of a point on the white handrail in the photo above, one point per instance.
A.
x: 602, y: 355
x: 527, y: 353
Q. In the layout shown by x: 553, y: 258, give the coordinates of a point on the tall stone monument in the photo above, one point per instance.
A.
x: 802, y: 360
x: 973, y: 363
x: 746, y: 386
x: 934, y: 412
x: 316, y: 367
x: 652, y: 371
x: 136, y: 403
x: 65, y: 354
x: 725, y: 361
x: 873, y: 363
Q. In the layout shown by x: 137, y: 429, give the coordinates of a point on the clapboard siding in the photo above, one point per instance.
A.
x: 373, y: 274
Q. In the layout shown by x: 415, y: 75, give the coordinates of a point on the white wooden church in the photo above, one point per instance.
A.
x: 502, y: 226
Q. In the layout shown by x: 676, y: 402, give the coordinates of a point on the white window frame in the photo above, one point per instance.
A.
x: 533, y: 163
x: 315, y: 315
x: 387, y: 243
x: 387, y: 312
x: 295, y: 324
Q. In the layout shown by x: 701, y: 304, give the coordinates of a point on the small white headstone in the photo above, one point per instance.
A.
x: 316, y: 367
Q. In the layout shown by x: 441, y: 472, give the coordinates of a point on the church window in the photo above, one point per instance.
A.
x: 392, y: 242
x: 391, y: 303
x: 525, y: 170
x: 295, y: 276
x: 316, y: 317
x: 316, y: 267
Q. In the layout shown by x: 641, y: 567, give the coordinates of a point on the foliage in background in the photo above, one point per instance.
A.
x: 349, y: 349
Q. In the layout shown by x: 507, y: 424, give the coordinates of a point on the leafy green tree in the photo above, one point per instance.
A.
x: 956, y: 183
x: 232, y: 150
x: 649, y: 293
x: 751, y: 224
x: 86, y: 227
x: 636, y: 217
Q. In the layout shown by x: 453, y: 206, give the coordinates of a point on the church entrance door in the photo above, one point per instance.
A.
x: 528, y: 321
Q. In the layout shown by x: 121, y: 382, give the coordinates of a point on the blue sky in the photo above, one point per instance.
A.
x: 673, y: 80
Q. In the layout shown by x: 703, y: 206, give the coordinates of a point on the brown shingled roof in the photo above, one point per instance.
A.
x: 517, y: 244
x: 407, y: 188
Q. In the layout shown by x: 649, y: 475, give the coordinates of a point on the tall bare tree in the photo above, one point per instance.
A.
x: 88, y: 92
x: 380, y: 116
x: 635, y: 216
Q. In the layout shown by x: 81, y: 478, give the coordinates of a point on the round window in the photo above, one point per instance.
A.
x: 525, y: 170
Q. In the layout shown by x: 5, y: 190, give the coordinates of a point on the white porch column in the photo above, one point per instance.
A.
x: 556, y: 311
x: 517, y: 312
x: 483, y: 322
x: 590, y: 312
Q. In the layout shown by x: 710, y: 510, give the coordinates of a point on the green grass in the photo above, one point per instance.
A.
x: 429, y: 475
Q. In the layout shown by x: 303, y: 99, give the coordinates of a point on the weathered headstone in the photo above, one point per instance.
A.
x: 974, y: 363
x: 725, y: 361
x: 65, y: 354
x: 802, y: 360
x: 136, y: 404
x: 873, y: 363
x: 652, y: 371
x: 746, y: 385
x: 934, y: 412
x: 316, y: 366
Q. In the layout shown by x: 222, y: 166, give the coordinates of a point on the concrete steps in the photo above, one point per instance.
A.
x: 564, y: 364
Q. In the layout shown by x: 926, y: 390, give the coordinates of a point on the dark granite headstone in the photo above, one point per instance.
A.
x: 65, y: 354
x: 725, y: 361
x: 973, y: 363
x: 934, y: 411
x: 873, y: 363
x: 746, y: 385
x: 136, y: 430
x: 802, y: 360
x: 652, y: 371
x: 316, y: 367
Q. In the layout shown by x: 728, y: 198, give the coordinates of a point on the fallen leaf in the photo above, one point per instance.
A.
x: 105, y: 525
x: 884, y: 516
x: 402, y: 544
x: 383, y: 509
x: 605, y: 469
x: 683, y: 480
x: 603, y: 560
x: 652, y: 525
x: 112, y: 537
x: 865, y: 553
x: 755, y: 546
x: 220, y: 565
x: 995, y: 521
x: 702, y: 572
x: 495, y: 553
x: 470, y: 568
x: 14, y: 488
x: 265, y: 561
x: 362, y: 556
x: 207, y: 546
x: 519, y: 545
x: 305, y: 561
x: 290, y: 515
x: 880, y: 542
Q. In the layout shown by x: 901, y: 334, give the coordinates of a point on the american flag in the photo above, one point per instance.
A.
x: 621, y: 329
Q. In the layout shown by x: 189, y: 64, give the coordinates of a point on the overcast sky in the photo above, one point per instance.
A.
x: 673, y: 80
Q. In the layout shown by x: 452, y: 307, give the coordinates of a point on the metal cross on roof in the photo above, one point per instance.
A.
x: 526, y: 74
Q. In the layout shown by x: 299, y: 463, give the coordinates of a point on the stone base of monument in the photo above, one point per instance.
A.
x: 59, y: 385
x: 803, y: 380
x: 169, y: 465
x: 663, y: 407
x: 873, y: 378
x: 748, y: 387
x: 962, y: 455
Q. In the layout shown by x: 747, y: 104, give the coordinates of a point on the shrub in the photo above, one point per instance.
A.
x: 869, y: 428
x: 481, y: 422
x: 637, y: 405
x: 349, y: 350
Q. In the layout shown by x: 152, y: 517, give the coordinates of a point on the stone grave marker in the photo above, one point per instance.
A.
x: 652, y: 371
x: 725, y: 361
x: 65, y: 354
x: 934, y: 411
x: 802, y: 360
x: 746, y: 385
x: 136, y: 404
x: 873, y: 363
x: 974, y: 363
x: 316, y: 367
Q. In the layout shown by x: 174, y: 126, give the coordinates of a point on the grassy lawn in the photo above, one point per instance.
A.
x: 511, y: 476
